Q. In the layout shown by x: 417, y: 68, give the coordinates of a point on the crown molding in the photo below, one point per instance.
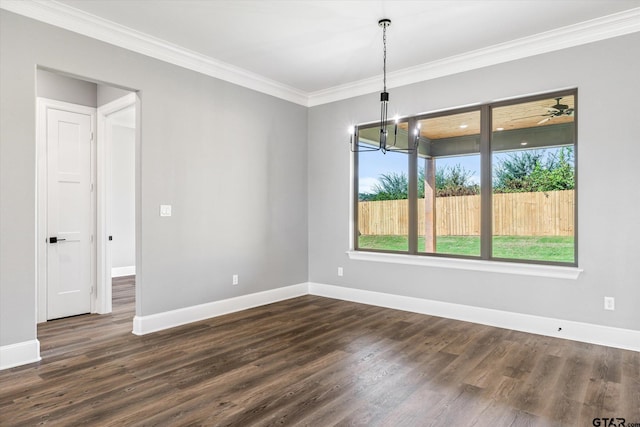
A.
x: 72, y: 19
x: 69, y: 18
x: 606, y: 27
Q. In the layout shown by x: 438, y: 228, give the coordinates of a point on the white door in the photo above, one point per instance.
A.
x: 69, y: 213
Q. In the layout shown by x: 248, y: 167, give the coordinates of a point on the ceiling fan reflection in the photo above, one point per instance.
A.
x: 556, y: 110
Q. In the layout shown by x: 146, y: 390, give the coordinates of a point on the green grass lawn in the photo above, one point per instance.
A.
x: 549, y: 248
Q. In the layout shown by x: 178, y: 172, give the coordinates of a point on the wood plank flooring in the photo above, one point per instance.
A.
x: 318, y: 362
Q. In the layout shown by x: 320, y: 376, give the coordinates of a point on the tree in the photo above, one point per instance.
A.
x: 559, y: 173
x: 391, y: 186
x: 450, y: 181
x: 455, y: 181
x: 535, y: 170
x: 512, y: 174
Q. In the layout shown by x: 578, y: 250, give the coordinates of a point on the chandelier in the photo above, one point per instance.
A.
x: 384, y: 144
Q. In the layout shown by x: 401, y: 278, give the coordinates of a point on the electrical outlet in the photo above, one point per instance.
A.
x: 340, y: 271
x: 609, y: 303
x: 235, y: 279
x: 165, y: 210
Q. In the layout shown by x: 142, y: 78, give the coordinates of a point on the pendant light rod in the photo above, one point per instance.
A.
x: 384, y: 23
x: 384, y: 95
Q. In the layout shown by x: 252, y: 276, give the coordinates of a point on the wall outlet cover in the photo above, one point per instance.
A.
x: 165, y: 210
x: 609, y: 303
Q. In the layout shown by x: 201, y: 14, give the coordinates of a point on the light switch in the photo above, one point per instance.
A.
x: 165, y: 210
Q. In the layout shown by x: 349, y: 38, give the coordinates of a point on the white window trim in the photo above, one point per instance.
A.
x: 539, y: 270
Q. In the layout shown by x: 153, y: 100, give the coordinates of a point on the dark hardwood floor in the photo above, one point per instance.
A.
x: 318, y: 362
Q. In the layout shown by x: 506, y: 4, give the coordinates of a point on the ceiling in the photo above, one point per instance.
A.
x: 523, y: 115
x: 526, y: 115
x: 314, y: 46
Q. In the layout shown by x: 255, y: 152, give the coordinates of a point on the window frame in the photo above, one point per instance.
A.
x: 486, y: 186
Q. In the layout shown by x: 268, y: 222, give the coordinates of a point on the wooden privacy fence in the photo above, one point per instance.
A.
x: 548, y: 213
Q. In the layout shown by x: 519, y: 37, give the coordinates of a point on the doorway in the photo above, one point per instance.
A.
x: 116, y: 200
x: 75, y: 228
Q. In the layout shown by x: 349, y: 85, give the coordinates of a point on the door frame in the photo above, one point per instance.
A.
x: 42, y: 105
x: 105, y: 199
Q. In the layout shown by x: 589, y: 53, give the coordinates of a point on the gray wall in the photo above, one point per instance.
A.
x: 123, y: 226
x: 231, y: 161
x: 107, y: 93
x: 68, y: 89
x: 606, y: 74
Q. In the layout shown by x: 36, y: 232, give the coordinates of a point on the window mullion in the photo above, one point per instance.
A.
x: 485, y: 184
x: 413, y: 193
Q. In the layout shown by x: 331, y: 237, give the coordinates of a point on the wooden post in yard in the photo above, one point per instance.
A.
x: 430, y: 204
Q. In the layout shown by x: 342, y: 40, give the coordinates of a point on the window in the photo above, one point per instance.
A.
x: 449, y: 182
x: 493, y: 182
x: 533, y: 170
x: 383, y: 184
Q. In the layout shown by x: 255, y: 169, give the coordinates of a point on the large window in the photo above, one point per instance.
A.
x: 493, y: 182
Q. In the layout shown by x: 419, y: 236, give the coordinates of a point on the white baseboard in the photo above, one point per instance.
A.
x: 29, y: 351
x: 123, y: 271
x: 155, y: 322
x: 595, y: 334
x: 19, y: 354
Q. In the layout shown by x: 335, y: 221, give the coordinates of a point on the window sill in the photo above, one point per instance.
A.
x: 552, y: 271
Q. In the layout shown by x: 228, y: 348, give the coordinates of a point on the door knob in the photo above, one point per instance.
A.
x: 55, y: 240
